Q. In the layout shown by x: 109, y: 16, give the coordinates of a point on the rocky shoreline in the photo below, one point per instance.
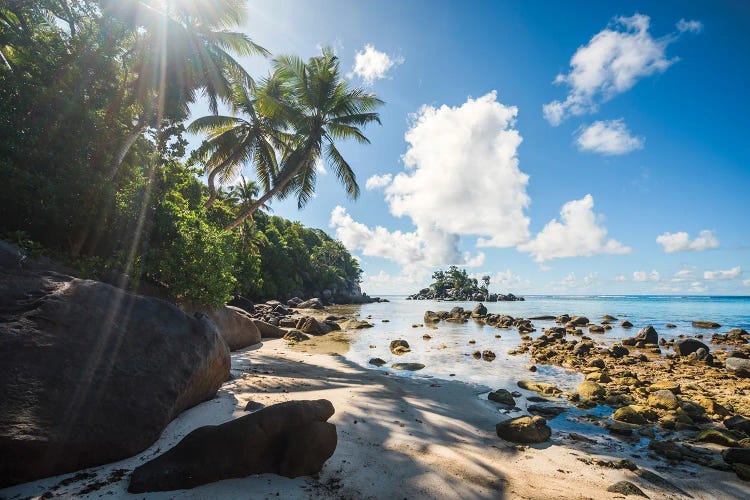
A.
x: 678, y: 394
x: 456, y: 296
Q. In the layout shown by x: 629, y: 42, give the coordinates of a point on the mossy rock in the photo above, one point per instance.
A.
x: 634, y: 414
x: 591, y: 390
x: 540, y: 387
x: 719, y: 437
x: 663, y: 399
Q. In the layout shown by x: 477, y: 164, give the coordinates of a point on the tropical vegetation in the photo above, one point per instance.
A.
x: 95, y: 98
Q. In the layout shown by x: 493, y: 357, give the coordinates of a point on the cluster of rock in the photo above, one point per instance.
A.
x: 479, y: 314
x: 457, y: 295
x: 92, y: 374
x: 691, y: 389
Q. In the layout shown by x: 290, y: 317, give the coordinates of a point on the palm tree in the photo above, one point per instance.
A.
x: 319, y: 108
x: 180, y: 47
x: 236, y: 140
x: 246, y: 192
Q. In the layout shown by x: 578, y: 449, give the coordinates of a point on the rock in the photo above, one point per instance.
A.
x: 488, y: 355
x: 353, y: 324
x: 706, y: 324
x: 742, y: 471
x: 626, y: 324
x: 634, y: 414
x: 91, y: 374
x: 503, y: 397
x: 738, y: 366
x: 399, y: 346
x: 524, y: 430
x: 619, y: 428
x: 540, y: 387
x: 268, y: 330
x: 736, y: 455
x: 377, y: 361
x: 431, y: 317
x: 243, y: 303
x: 626, y: 488
x: 685, y: 347
x: 477, y: 355
x: 670, y: 325
x: 562, y: 319
x: 412, y: 367
x: 647, y: 335
x: 235, y: 326
x: 591, y: 390
x: 547, y: 411
x: 479, y: 310
x: 294, y: 302
x: 596, y: 329
x: 315, y: 303
x: 618, y: 351
x: 312, y: 326
x: 717, y: 436
x: 597, y: 363
x: 542, y: 318
x: 456, y: 311
x: 668, y: 385
x: 254, y: 406
x: 291, y: 439
x: 295, y: 336
x: 579, y: 320
x: 739, y: 423
x: 608, y: 318
x: 663, y: 399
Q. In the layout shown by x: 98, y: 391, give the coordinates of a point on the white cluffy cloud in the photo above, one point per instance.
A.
x: 370, y: 64
x: 680, y: 242
x: 578, y: 234
x: 608, y: 138
x: 612, y: 62
x: 570, y: 282
x: 642, y: 276
x: 729, y: 274
x: 462, y: 177
x: 684, y: 26
x: 378, y: 181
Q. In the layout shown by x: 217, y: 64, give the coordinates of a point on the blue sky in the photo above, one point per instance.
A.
x: 645, y: 133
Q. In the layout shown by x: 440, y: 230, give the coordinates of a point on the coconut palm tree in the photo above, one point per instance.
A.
x: 246, y: 192
x: 319, y: 108
x: 180, y: 47
x: 233, y: 141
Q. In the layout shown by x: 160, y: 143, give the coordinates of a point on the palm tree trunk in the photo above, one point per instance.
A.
x: 212, y: 194
x: 263, y: 199
x: 127, y: 143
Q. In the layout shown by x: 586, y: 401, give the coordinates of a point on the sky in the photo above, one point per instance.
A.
x: 559, y: 147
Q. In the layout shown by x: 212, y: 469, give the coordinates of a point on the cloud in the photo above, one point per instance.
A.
x: 680, y: 242
x: 729, y: 274
x: 642, y: 276
x: 319, y: 167
x: 746, y: 282
x: 385, y: 283
x: 570, y: 282
x: 608, y: 138
x: 621, y: 278
x: 579, y: 234
x: 612, y: 62
x: 692, y: 26
x: 378, y: 181
x: 370, y: 64
x: 461, y: 178
x: 684, y: 274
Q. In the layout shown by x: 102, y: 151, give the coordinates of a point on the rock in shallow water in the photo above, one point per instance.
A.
x: 503, y: 397
x: 524, y: 430
x: 685, y: 347
x: 412, y: 367
x: 291, y: 439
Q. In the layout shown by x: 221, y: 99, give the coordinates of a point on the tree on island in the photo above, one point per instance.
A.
x: 456, y: 284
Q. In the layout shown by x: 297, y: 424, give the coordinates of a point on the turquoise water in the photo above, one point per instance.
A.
x: 448, y: 354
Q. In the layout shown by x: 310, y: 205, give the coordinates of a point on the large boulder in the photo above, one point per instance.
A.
x: 685, y: 347
x: 706, y: 324
x: 479, y: 310
x: 267, y: 330
x: 243, y: 303
x: 524, y: 430
x: 91, y: 374
x: 291, y: 439
x: 312, y: 326
x: 647, y: 335
x: 236, y: 327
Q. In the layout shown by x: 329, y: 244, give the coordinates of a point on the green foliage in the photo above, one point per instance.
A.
x: 455, y: 279
x: 77, y: 81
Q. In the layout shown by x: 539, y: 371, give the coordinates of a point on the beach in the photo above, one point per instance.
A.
x: 398, y: 437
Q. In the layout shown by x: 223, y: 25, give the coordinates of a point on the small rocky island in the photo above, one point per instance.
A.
x: 456, y: 284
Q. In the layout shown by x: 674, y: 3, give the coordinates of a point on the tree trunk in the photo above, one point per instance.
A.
x: 212, y: 194
x: 127, y: 143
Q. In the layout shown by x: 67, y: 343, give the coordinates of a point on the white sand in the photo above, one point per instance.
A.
x: 398, y: 438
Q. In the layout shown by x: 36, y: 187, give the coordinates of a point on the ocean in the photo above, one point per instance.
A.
x: 448, y: 353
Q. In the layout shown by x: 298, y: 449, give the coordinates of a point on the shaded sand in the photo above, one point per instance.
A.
x: 398, y: 438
